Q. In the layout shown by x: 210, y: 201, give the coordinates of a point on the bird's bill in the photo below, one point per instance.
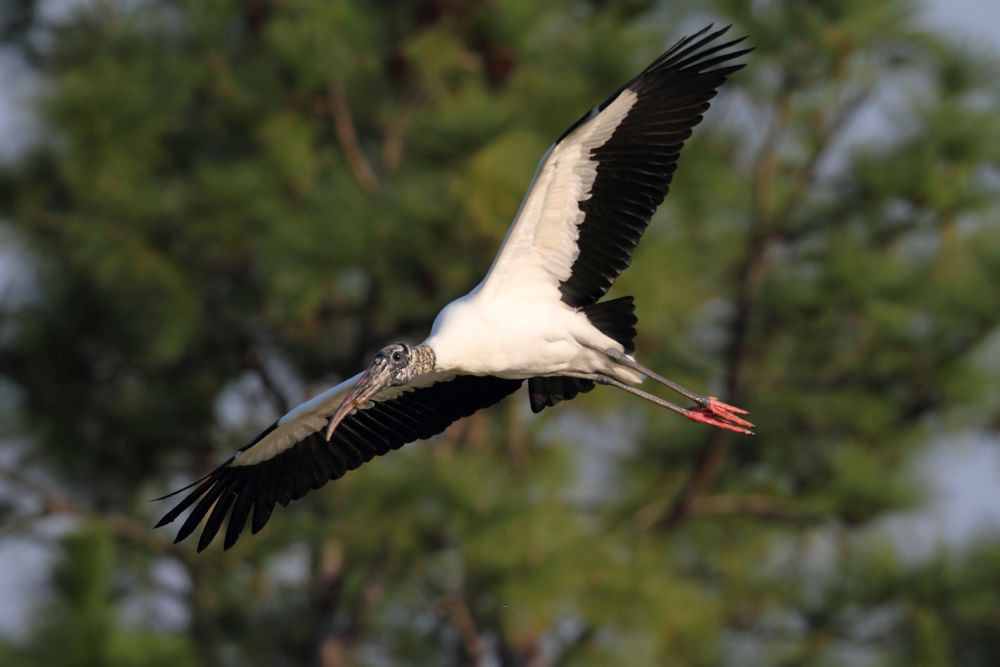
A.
x: 369, y: 384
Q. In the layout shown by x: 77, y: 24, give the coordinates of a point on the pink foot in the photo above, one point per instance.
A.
x: 721, y: 415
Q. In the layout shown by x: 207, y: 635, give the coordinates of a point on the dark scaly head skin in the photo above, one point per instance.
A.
x: 393, y: 366
x: 404, y: 362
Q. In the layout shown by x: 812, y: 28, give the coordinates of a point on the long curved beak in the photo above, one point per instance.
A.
x: 369, y: 384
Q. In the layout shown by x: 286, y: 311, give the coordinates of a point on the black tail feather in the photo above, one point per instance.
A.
x: 546, y: 391
x: 615, y: 319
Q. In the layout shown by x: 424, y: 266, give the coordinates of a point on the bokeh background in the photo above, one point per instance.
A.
x: 211, y: 210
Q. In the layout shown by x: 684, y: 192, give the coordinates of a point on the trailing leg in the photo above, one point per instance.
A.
x: 711, y: 411
x: 711, y: 408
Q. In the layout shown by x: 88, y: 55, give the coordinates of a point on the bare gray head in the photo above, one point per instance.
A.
x: 393, y: 366
x: 400, y: 363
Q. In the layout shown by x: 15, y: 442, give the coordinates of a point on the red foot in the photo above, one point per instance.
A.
x: 721, y: 415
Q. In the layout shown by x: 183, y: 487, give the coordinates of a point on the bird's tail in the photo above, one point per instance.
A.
x: 615, y: 319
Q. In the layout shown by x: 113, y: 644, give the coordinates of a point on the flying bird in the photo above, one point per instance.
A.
x: 536, y: 316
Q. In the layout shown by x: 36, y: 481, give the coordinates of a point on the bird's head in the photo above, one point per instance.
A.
x: 393, y: 366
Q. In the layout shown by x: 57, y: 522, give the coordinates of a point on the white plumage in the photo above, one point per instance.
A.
x: 536, y: 316
x: 541, y: 244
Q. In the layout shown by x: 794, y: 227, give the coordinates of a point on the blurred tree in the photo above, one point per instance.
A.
x: 238, y: 202
x: 79, y: 626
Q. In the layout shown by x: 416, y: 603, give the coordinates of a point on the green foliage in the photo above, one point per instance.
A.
x: 79, y: 628
x: 235, y: 201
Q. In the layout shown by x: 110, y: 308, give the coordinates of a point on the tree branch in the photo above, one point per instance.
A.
x: 762, y: 235
x: 395, y: 132
x: 348, y: 137
x: 715, y: 452
x: 254, y: 361
x: 462, y: 619
x: 54, y: 503
x: 333, y: 649
x: 757, y: 505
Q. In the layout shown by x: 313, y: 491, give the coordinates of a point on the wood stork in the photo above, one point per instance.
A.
x: 536, y: 316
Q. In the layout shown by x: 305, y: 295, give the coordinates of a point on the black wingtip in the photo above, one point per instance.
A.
x: 635, y: 166
x: 180, y: 490
x: 200, y: 479
x: 186, y: 529
x: 203, y: 543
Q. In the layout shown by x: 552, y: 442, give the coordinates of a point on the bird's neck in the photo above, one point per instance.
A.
x: 422, y: 359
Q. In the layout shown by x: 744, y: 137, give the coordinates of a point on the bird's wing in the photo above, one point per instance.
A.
x: 596, y: 188
x: 291, y: 457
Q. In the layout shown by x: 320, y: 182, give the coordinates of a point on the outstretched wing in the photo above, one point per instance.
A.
x: 597, y: 187
x: 291, y: 457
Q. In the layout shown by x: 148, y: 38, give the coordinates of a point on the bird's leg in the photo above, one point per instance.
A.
x: 710, y: 411
x: 702, y: 414
x: 600, y: 378
x: 625, y: 360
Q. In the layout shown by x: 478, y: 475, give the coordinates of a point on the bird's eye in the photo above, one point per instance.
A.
x: 397, y: 356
